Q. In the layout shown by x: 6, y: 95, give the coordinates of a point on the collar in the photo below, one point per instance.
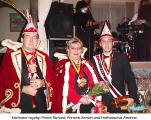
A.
x: 108, y: 53
x: 30, y: 52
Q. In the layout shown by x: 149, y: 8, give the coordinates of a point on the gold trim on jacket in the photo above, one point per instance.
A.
x: 16, y: 59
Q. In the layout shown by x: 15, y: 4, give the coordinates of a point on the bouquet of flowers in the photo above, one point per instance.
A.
x: 99, y: 89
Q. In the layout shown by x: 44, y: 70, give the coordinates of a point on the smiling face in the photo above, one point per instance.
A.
x: 107, y: 44
x: 30, y: 40
x: 75, y: 50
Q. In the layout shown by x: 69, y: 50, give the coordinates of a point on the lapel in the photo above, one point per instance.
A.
x: 114, y: 67
x: 42, y: 63
x: 115, y: 61
x: 16, y: 59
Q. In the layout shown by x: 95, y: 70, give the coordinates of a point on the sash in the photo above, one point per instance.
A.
x: 106, y: 76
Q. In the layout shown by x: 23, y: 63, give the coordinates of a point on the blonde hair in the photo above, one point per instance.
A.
x: 74, y: 40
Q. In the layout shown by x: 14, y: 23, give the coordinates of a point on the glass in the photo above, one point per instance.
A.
x: 27, y: 37
x: 74, y: 48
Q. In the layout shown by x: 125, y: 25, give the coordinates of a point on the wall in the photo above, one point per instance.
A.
x: 136, y: 3
x: 97, y: 1
x: 25, y: 4
x: 5, y: 20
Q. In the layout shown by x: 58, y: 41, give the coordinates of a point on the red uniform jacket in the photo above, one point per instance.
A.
x: 65, y: 87
x: 10, y: 80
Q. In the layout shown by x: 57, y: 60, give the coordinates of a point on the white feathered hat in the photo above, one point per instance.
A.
x: 106, y: 32
x: 30, y: 26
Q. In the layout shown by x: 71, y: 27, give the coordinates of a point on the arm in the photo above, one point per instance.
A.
x: 130, y: 79
x: 73, y: 95
x: 50, y: 77
x: 6, y: 81
x: 3, y: 74
x: 75, y: 98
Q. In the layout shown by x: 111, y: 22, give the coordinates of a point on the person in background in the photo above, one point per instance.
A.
x: 143, y: 44
x: 114, y: 68
x: 85, y: 25
x: 74, y: 78
x: 83, y: 13
x: 26, y: 76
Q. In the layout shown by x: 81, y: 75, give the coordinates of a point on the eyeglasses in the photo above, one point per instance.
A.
x: 74, y: 48
x: 27, y: 37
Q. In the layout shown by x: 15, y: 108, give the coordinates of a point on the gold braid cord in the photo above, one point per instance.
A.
x: 16, y: 86
x: 8, y: 94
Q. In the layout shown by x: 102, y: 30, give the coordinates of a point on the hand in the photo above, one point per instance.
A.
x: 130, y: 101
x: 29, y: 90
x: 37, y: 83
x: 85, y: 100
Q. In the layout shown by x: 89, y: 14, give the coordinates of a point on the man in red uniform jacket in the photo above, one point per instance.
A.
x: 25, y: 90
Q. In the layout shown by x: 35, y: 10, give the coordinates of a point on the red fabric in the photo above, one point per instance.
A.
x: 32, y: 60
x: 105, y: 35
x: 58, y: 87
x: 30, y: 30
x: 73, y: 96
x: 9, y: 50
x: 7, y: 80
x: 31, y: 53
x: 104, y: 56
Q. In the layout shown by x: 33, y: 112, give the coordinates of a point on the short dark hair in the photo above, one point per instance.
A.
x: 24, y: 34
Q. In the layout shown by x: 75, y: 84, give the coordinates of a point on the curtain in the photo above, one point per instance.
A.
x: 43, y: 9
x: 112, y: 11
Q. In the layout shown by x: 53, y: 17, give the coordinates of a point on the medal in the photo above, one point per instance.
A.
x: 82, y: 82
x: 80, y: 71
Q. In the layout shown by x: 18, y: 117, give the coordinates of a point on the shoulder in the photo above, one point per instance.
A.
x: 41, y: 52
x: 14, y: 53
x: 10, y: 56
x: 43, y: 55
x: 6, y: 56
x: 60, y: 66
x: 85, y: 60
x: 61, y: 62
x: 89, y: 62
x: 120, y: 57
